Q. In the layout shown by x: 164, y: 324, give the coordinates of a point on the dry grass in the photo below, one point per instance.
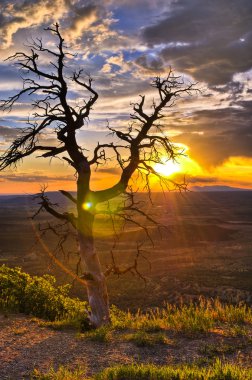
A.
x: 193, y: 318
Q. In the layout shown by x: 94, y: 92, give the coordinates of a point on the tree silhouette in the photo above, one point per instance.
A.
x: 143, y: 141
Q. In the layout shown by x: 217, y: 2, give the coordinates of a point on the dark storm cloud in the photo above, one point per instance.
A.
x: 81, y: 13
x: 226, y: 132
x: 223, y: 119
x: 210, y: 40
x: 153, y: 64
x: 233, y: 88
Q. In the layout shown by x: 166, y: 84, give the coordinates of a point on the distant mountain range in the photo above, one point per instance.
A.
x: 218, y: 188
x: 16, y: 199
x: 55, y: 196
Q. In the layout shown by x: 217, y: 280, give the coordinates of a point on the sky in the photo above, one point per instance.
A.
x: 123, y: 45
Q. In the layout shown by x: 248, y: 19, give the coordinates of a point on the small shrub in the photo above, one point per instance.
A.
x: 120, y: 320
x: 63, y: 373
x: 12, y: 288
x: 38, y: 296
x: 211, y: 350
x: 237, y: 330
x: 235, y: 314
x: 143, y: 339
x: 140, y: 339
x: 102, y: 334
x: 161, y: 338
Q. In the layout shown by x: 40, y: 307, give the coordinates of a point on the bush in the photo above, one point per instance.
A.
x: 38, y: 296
x: 63, y: 373
x: 102, y: 334
x: 143, y: 339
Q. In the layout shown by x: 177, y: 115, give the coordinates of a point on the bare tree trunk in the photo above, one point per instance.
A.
x: 96, y: 282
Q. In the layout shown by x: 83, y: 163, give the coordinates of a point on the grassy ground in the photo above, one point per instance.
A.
x: 40, y: 297
x: 218, y: 371
x: 203, y: 340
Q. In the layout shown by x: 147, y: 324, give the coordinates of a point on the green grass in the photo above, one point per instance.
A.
x: 191, y: 319
x: 62, y: 324
x: 237, y: 330
x: 63, y: 373
x: 212, y: 350
x: 144, y: 339
x: 218, y: 371
x: 102, y: 334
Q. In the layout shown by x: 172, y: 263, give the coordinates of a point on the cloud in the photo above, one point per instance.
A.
x: 200, y: 179
x: 8, y: 134
x: 40, y: 178
x: 86, y: 25
x: 209, y: 41
x: 113, y: 171
x: 106, y: 68
x: 149, y: 65
x: 152, y: 4
x: 116, y: 63
x: 224, y: 133
x: 16, y: 16
x: 81, y: 20
x: 9, y: 79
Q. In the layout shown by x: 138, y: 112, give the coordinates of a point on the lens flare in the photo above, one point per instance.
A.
x: 87, y: 205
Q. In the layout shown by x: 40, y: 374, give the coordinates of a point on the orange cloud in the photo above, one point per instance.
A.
x: 29, y: 14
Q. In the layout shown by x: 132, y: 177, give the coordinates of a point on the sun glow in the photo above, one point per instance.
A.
x: 167, y: 168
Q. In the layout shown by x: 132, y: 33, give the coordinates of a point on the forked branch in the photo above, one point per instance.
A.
x: 47, y: 205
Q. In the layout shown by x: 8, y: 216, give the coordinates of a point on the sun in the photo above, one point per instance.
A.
x: 167, y: 168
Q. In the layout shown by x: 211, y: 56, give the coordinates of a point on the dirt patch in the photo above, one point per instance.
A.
x: 24, y: 345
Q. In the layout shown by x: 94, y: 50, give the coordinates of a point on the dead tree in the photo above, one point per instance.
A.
x: 143, y: 140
